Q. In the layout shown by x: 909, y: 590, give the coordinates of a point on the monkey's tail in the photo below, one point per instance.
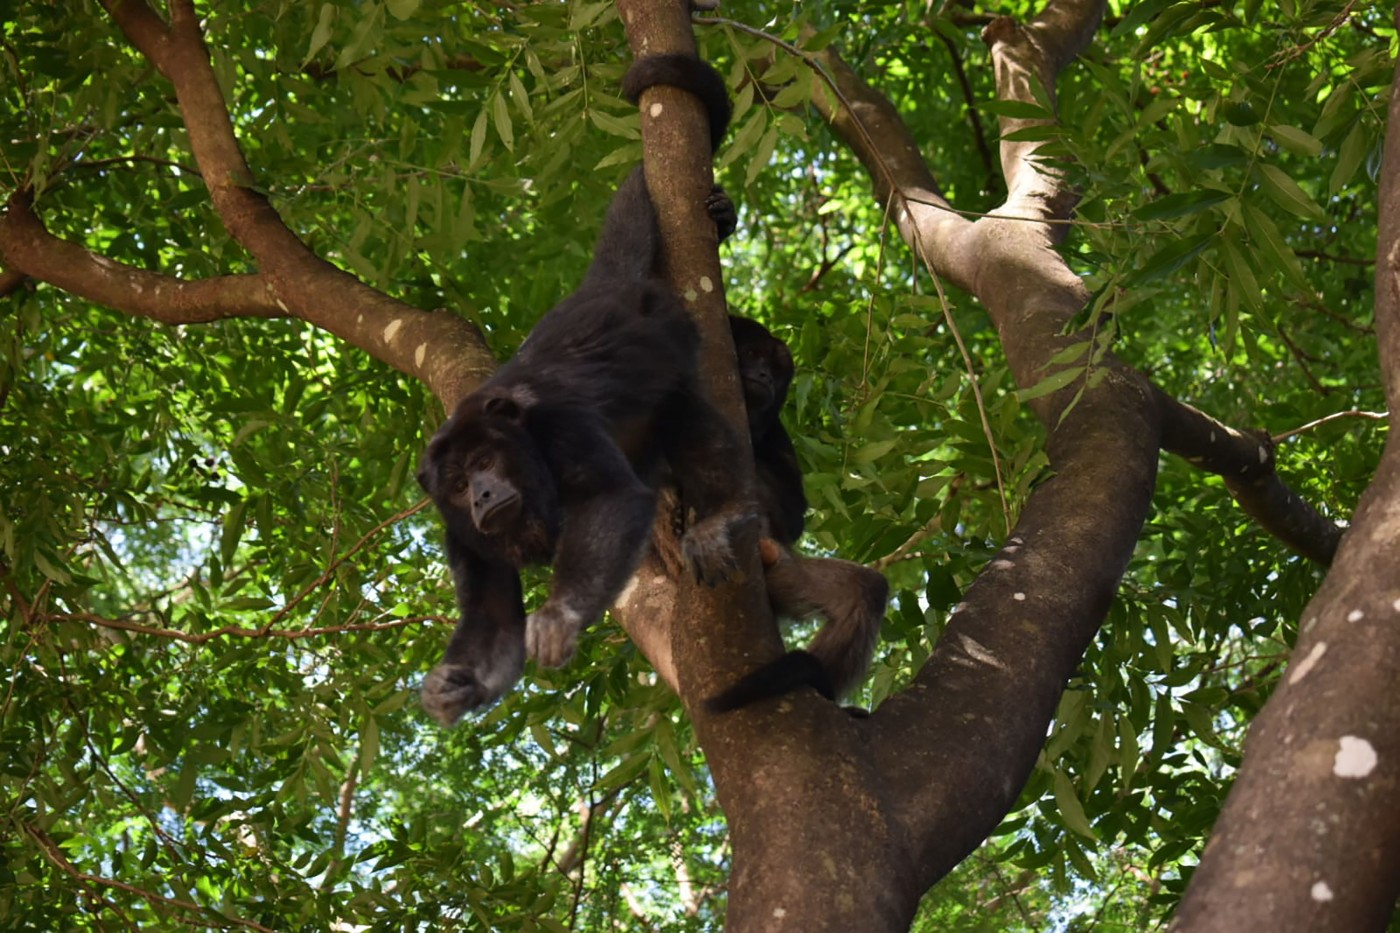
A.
x: 689, y: 74
x: 852, y: 600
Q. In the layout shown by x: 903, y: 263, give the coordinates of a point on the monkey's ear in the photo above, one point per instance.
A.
x: 502, y: 407
x: 426, y: 470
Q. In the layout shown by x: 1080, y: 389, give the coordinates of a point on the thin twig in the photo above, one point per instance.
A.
x: 331, y: 568
x: 1353, y: 413
x: 60, y: 861
x: 897, y: 193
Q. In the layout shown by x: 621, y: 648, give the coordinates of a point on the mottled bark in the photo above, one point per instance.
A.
x: 1309, y: 838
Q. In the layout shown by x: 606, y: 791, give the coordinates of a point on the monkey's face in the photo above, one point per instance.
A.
x: 766, y: 372
x: 485, y: 469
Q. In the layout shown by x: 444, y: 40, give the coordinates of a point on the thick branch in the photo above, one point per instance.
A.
x: 679, y: 178
x: 957, y: 747
x: 26, y: 245
x: 1309, y: 838
x: 443, y: 351
x: 1245, y: 460
x: 1026, y: 59
x: 777, y: 768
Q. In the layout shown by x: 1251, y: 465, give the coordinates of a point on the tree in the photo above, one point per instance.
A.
x: 224, y: 229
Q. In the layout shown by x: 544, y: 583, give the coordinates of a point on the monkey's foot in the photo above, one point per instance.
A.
x: 709, y: 548
x: 550, y: 634
x: 450, y: 690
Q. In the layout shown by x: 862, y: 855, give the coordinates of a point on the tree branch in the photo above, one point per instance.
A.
x: 1245, y: 460
x: 694, y: 647
x: 1037, y: 293
x: 444, y: 351
x: 25, y: 244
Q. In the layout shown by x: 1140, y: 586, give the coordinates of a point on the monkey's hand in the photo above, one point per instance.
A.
x: 452, y: 689
x: 770, y: 552
x: 722, y: 212
x: 551, y: 632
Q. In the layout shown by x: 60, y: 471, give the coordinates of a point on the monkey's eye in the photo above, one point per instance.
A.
x: 483, y: 462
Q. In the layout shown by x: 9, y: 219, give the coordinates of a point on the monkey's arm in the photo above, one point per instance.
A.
x: 486, y: 653
x: 607, y: 524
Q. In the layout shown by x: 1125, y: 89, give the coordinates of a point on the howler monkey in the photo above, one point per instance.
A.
x: 556, y: 456
x: 850, y: 597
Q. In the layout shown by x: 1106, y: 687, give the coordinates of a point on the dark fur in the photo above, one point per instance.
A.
x: 851, y: 598
x: 557, y: 455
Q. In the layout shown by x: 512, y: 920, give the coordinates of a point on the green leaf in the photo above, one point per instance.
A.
x: 1217, y: 156
x: 761, y: 154
x: 232, y: 533
x: 798, y: 92
x: 1242, y: 277
x: 872, y: 452
x: 1052, y: 383
x: 521, y: 98
x: 322, y: 33
x: 500, y: 116
x: 1240, y: 113
x: 1071, y: 810
x: 615, y: 126
x: 1070, y: 354
x: 624, y: 772
x: 660, y: 788
x: 1296, y: 140
x: 478, y: 140
x: 49, y: 568
x: 1271, y: 244
x: 1286, y: 192
x: 1181, y: 204
x: 1170, y: 258
x: 369, y: 744
x: 1349, y: 159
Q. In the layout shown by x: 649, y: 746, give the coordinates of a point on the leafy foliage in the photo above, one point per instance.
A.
x: 217, y: 596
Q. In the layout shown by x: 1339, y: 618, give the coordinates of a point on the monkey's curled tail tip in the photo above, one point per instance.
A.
x: 793, y: 670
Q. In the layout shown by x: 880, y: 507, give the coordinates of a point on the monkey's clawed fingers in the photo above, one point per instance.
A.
x: 450, y: 690
x: 722, y: 211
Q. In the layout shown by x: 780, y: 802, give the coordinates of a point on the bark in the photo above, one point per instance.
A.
x: 1309, y: 838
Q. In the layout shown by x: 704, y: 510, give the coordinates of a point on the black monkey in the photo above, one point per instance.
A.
x: 557, y: 455
x: 849, y: 596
